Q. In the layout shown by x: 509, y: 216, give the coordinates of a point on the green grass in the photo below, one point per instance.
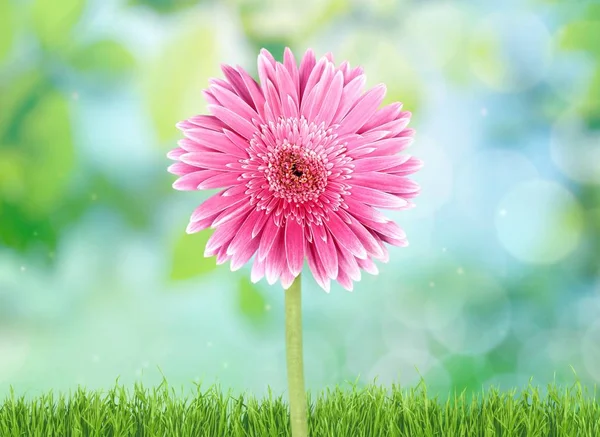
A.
x: 372, y: 412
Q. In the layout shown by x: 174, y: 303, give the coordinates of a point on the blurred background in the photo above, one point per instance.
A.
x: 98, y: 280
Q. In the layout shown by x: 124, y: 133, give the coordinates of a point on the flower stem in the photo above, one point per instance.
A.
x: 295, y: 365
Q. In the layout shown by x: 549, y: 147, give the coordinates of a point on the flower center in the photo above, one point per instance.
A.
x: 295, y: 173
x: 296, y: 168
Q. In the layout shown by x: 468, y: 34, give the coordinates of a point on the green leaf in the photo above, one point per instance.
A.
x: 47, y: 147
x: 251, y: 301
x: 6, y: 28
x: 53, y: 21
x: 188, y: 256
x: 175, y: 80
x: 106, y: 57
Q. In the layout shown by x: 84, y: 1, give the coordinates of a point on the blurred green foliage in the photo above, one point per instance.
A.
x: 187, y: 260
x: 165, y: 6
x: 53, y: 24
x: 37, y: 152
x: 103, y: 58
x: 7, y: 28
x: 252, y: 304
x: 583, y: 34
x: 174, y: 82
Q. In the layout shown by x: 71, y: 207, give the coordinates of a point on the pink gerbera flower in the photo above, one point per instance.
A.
x: 305, y: 161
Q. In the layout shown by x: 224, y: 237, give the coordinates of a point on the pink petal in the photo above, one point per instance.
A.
x: 392, y: 146
x: 316, y: 268
x: 266, y: 67
x: 223, y: 235
x: 258, y: 270
x: 363, y: 109
x: 243, y: 235
x: 179, y: 168
x: 255, y: 92
x: 207, y: 121
x: 242, y: 256
x: 285, y: 83
x: 260, y: 222
x: 348, y: 263
x: 384, y: 115
x: 290, y: 63
x: 222, y: 257
x: 378, y: 163
x: 367, y: 239
x: 410, y: 166
x: 388, y: 229
x: 198, y: 226
x: 269, y: 235
x: 353, y: 74
x: 384, y: 147
x: 313, y: 79
x: 273, y: 105
x: 344, y: 235
x: 350, y: 95
x: 345, y: 281
x: 191, y: 181
x: 220, y: 180
x: 368, y: 265
x: 268, y: 56
x: 236, y: 81
x: 391, y: 182
x: 364, y: 212
x: 325, y: 250
x: 331, y: 100
x: 234, y: 121
x: 306, y: 67
x: 275, y: 261
x: 394, y: 127
x: 232, y: 101
x: 377, y: 198
x: 294, y: 245
x: 211, y: 161
x: 393, y: 241
x: 230, y: 213
x: 176, y: 153
x: 287, y: 278
x: 215, y: 204
x: 312, y: 105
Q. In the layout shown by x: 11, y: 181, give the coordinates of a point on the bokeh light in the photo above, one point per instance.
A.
x: 549, y: 219
x: 510, y: 52
x: 576, y: 149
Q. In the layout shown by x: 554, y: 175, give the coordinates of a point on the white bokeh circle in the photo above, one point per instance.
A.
x: 484, y: 177
x: 14, y: 351
x: 590, y: 350
x: 575, y: 149
x: 542, y: 223
x: 484, y: 319
x: 447, y: 19
x: 407, y: 369
x: 510, y: 52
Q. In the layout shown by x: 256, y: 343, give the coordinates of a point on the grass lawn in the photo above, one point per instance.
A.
x: 374, y: 411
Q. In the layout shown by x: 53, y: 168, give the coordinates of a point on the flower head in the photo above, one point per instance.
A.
x: 305, y: 161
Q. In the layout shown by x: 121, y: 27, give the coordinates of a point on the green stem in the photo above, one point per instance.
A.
x: 295, y: 365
